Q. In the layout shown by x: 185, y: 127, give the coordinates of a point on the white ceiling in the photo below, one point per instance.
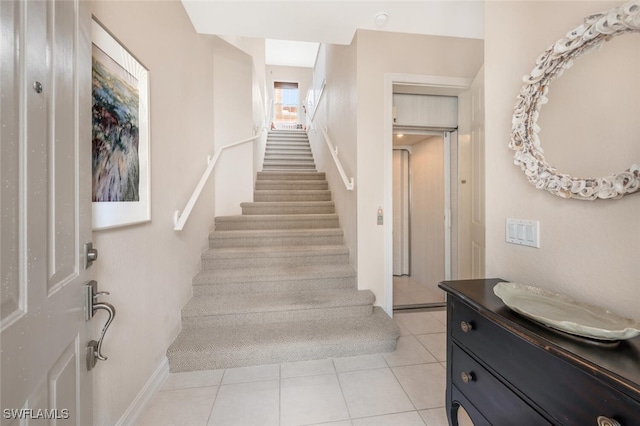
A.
x: 331, y: 21
x: 291, y: 53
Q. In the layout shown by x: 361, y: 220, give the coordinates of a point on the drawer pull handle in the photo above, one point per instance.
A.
x: 466, y: 326
x: 469, y: 377
x: 605, y: 421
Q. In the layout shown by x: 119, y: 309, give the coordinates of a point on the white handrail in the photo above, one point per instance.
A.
x: 179, y: 219
x: 348, y: 183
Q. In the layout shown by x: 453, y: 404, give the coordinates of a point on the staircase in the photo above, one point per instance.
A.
x: 276, y: 284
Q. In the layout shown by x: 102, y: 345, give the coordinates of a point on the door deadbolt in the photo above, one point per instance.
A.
x: 90, y: 255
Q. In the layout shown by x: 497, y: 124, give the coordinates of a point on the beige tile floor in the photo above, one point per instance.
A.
x: 405, y: 387
x: 408, y: 291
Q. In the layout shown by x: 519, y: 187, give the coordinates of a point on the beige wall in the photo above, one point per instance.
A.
x: 589, y: 249
x: 233, y: 105
x: 336, y: 111
x: 380, y: 53
x: 148, y: 268
x: 255, y: 47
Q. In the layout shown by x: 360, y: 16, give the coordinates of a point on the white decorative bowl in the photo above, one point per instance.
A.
x: 562, y: 313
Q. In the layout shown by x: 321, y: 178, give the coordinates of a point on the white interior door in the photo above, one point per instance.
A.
x: 478, y: 180
x: 45, y: 62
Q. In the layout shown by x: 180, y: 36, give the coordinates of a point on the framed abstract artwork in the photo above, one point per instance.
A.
x: 120, y: 134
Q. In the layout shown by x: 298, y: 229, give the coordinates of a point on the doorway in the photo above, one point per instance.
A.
x: 437, y: 86
x: 422, y: 225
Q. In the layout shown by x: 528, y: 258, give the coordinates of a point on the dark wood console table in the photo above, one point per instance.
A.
x: 506, y: 370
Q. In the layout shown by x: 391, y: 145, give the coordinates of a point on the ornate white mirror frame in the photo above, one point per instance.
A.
x: 529, y: 155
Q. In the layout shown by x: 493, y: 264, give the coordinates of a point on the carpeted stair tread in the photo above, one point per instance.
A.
x: 289, y: 169
x: 276, y: 237
x: 301, y: 157
x: 275, y: 218
x: 269, y: 273
x: 289, y: 165
x: 286, y: 150
x: 274, y: 278
x: 259, y: 256
x: 280, y: 251
x: 293, y: 182
x: 287, y: 207
x: 269, y: 233
x: 275, y: 301
x: 272, y: 195
x: 207, y: 348
x: 288, y: 147
x: 301, y: 162
x: 292, y: 185
x: 270, y: 175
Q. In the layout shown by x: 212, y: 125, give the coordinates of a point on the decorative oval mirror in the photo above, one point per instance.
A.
x: 525, y: 140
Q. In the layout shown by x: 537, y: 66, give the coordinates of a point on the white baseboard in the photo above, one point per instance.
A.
x: 146, y: 394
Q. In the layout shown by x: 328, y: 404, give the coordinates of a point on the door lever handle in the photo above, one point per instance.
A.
x: 94, y: 348
x: 112, y: 314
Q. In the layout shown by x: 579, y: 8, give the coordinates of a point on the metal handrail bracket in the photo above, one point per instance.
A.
x: 348, y: 182
x: 180, y: 218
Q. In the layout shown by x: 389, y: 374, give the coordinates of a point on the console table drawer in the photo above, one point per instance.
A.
x: 499, y: 405
x: 567, y: 394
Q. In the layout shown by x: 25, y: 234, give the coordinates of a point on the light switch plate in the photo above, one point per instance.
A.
x: 523, y: 232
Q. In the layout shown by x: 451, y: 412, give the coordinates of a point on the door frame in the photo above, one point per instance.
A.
x: 440, y: 85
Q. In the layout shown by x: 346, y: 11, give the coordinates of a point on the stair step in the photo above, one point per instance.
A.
x: 210, y: 348
x: 288, y: 169
x: 302, y: 156
x: 256, y: 257
x: 292, y: 184
x: 289, y: 161
x: 276, y: 237
x: 282, y: 221
x: 288, y: 152
x: 299, y: 159
x: 250, y: 309
x: 283, y: 136
x: 288, y: 148
x: 288, y: 142
x: 284, y: 165
x: 292, y: 195
x: 287, y: 145
x: 300, y: 207
x: 291, y: 176
x: 271, y: 278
